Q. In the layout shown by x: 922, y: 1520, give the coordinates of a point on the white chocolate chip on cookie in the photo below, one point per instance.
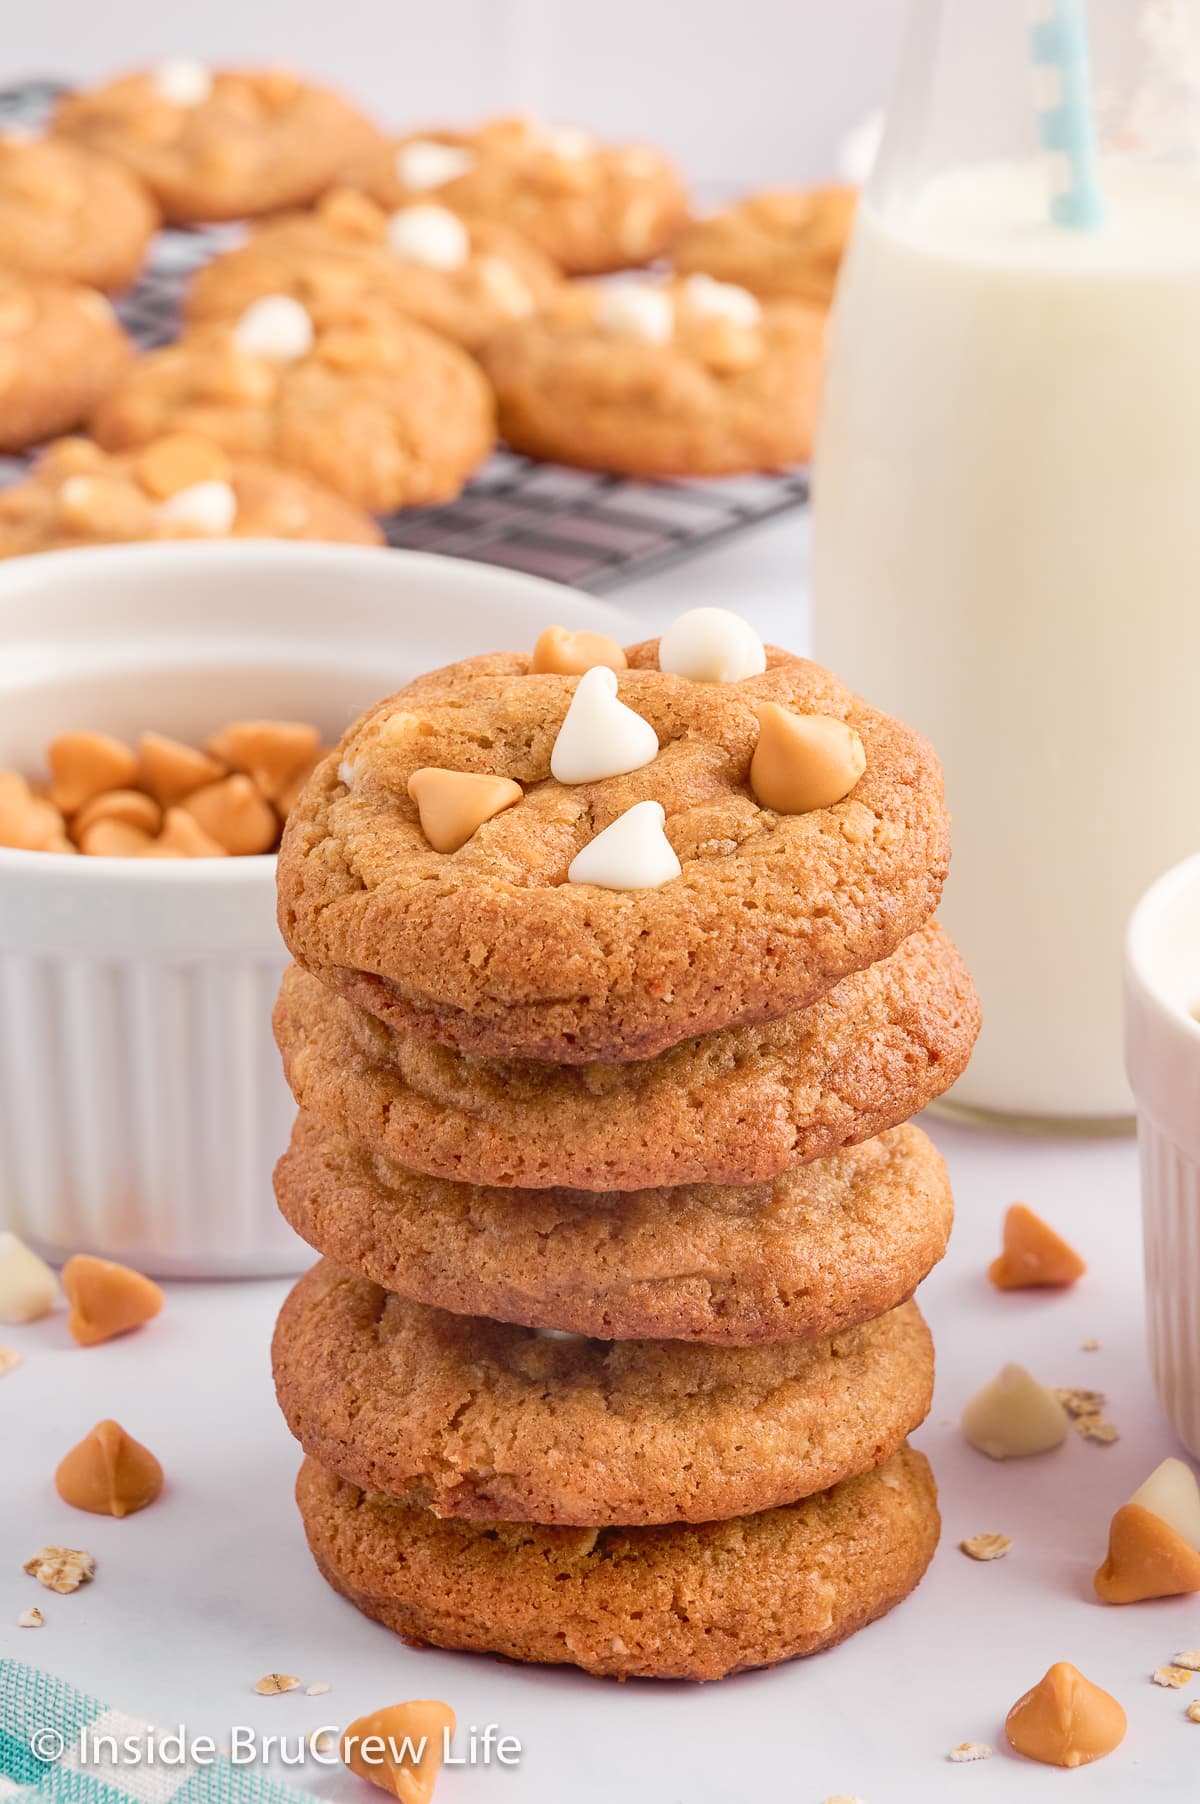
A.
x: 635, y: 310
x: 423, y: 164
x: 632, y: 853
x: 711, y: 645
x: 275, y: 326
x: 600, y: 737
x: 182, y: 81
x: 206, y: 507
x: 429, y: 235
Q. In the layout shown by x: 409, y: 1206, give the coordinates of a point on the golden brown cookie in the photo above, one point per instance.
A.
x: 785, y: 246
x: 590, y: 206
x: 219, y: 144
x: 178, y: 487
x: 737, y: 1106
x: 688, y: 378
x: 821, y: 1248
x: 379, y: 409
x: 496, y: 1423
x: 61, y: 350
x: 462, y: 278
x: 68, y: 213
x: 681, y: 1601
x: 492, y: 949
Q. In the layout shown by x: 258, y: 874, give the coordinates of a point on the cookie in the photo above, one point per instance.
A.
x: 219, y: 144
x: 681, y: 1601
x: 463, y: 278
x: 497, y: 1423
x: 687, y: 378
x: 380, y: 410
x: 589, y: 206
x: 491, y: 949
x: 179, y: 487
x: 68, y: 213
x: 821, y: 1248
x: 61, y: 350
x: 785, y: 246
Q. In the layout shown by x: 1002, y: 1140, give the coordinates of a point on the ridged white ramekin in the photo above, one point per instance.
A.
x: 142, y: 1105
x: 1162, y: 1055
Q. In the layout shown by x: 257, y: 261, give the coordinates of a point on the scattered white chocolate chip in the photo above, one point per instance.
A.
x: 600, y: 737
x: 182, y: 81
x: 1190, y: 1658
x: 275, y: 326
x: 1173, y: 1677
x: 423, y: 163
x: 28, y: 1288
x: 633, y: 852
x: 721, y: 300
x: 61, y: 1569
x: 273, y: 1683
x: 429, y: 235
x: 711, y: 645
x: 986, y: 1546
x: 10, y: 1359
x: 31, y: 1619
x: 635, y: 310
x: 207, y: 507
x: 970, y: 1750
x: 1014, y: 1416
x: 1172, y: 1494
x: 316, y: 1690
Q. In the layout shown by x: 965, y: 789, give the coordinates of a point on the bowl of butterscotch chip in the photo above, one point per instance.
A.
x: 160, y: 708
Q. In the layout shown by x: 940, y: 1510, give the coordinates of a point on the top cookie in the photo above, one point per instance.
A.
x: 67, y: 212
x: 785, y: 246
x: 219, y: 144
x: 492, y: 948
x: 592, y: 207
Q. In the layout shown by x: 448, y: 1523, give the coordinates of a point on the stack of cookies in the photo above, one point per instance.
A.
x: 616, y: 983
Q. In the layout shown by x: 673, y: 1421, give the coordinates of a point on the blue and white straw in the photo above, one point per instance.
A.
x: 1062, y: 92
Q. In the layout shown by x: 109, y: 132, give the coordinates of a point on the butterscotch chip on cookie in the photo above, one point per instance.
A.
x: 688, y: 378
x: 493, y: 1422
x: 219, y: 144
x: 464, y: 278
x: 589, y: 206
x: 178, y: 487
x: 61, y: 350
x: 680, y: 1601
x: 819, y: 1249
x: 69, y: 213
x: 490, y: 948
x: 784, y: 246
x: 380, y: 410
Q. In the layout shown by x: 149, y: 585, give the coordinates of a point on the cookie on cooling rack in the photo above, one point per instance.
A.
x: 465, y: 278
x: 384, y: 412
x: 690, y: 378
x: 178, y: 487
x: 61, y: 351
x: 783, y: 246
x: 590, y: 206
x: 67, y: 212
x: 219, y: 144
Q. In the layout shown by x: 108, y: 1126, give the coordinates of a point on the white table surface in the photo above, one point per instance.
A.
x: 213, y: 1587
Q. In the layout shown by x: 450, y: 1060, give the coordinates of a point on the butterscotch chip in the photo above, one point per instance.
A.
x: 106, y: 1298
x: 1034, y: 1255
x: 273, y: 1683
x: 109, y: 1473
x: 130, y: 807
x: 1065, y: 1720
x: 804, y: 761
x: 272, y: 752
x: 233, y: 813
x: 454, y: 804
x: 29, y: 823
x: 61, y: 1569
x: 1146, y: 1558
x: 986, y: 1546
x: 114, y: 839
x: 400, y: 1749
x: 182, y: 836
x: 84, y: 764
x: 171, y: 770
x: 179, y: 460
x: 31, y: 1619
x: 560, y: 653
x: 1173, y: 1677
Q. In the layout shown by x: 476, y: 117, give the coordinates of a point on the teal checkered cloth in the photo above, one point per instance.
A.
x: 38, y: 1713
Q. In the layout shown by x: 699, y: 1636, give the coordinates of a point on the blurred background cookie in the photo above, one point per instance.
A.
x: 61, y: 350
x: 66, y: 211
x: 784, y: 246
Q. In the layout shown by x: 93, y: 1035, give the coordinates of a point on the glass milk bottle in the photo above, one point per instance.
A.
x: 1007, y: 498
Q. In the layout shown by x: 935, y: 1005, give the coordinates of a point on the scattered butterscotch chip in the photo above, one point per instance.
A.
x: 400, y: 1748
x: 31, y: 1619
x: 1091, y: 1345
x: 1174, y: 1677
x: 272, y: 1683
x: 316, y: 1690
x: 1146, y: 1558
x: 804, y: 761
x: 1193, y: 1711
x: 970, y: 1750
x: 182, y: 836
x: 270, y: 752
x: 109, y: 1473
x: 170, y: 770
x: 234, y: 814
x: 1033, y: 1254
x: 560, y: 653
x: 130, y: 807
x: 10, y: 1359
x: 106, y: 1298
x: 84, y: 764
x: 1189, y: 1658
x: 61, y: 1569
x: 986, y: 1546
x: 454, y: 804
x: 113, y: 839
x: 1065, y: 1720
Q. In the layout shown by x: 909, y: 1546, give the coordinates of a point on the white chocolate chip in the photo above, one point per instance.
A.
x: 346, y: 773
x: 570, y: 144
x: 182, y: 81
x: 429, y: 235
x: 632, y: 853
x: 423, y: 164
x: 557, y: 1334
x: 600, y: 737
x: 711, y: 645
x: 275, y: 326
x: 721, y: 300
x: 635, y: 310
x: 205, y: 507
x: 1171, y: 1493
x: 1014, y: 1416
x: 28, y: 1288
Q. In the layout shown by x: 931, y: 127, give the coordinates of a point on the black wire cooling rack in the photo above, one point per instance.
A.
x: 592, y: 531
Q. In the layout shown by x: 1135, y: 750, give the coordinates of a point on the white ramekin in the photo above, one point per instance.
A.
x: 141, y: 1100
x: 1162, y: 1056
